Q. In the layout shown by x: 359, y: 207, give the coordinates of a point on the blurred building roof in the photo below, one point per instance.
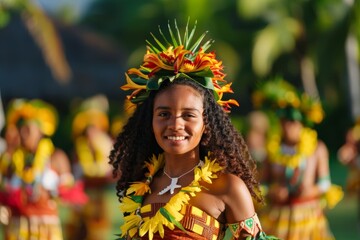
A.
x: 97, y: 65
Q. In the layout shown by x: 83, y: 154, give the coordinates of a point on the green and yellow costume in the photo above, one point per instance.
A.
x: 177, y: 219
x: 297, y: 218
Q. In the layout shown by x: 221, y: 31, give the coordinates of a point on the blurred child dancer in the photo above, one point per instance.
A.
x: 349, y: 155
x: 296, y: 169
x: 185, y: 172
x: 258, y: 125
x: 92, y: 146
x: 33, y: 173
x: 12, y: 142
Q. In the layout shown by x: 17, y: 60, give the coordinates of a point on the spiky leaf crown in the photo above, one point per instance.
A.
x: 177, y: 57
x: 278, y: 94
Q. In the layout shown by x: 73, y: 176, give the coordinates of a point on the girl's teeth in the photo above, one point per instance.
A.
x: 176, y: 138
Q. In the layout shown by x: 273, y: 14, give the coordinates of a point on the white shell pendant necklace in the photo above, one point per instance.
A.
x: 174, y: 180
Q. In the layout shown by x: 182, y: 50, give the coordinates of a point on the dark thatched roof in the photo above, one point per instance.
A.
x: 96, y: 63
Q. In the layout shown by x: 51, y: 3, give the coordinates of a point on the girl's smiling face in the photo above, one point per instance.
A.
x: 178, y: 122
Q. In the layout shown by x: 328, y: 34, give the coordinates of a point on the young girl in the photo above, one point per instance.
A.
x: 185, y: 172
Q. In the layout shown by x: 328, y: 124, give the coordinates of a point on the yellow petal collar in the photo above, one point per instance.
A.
x: 169, y: 215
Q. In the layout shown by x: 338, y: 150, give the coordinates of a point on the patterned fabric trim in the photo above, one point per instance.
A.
x: 200, y: 222
x: 195, y: 220
x: 249, y: 226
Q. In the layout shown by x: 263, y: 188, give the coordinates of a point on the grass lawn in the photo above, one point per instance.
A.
x: 344, y: 220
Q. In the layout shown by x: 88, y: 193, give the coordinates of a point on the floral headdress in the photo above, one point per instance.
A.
x: 44, y: 114
x: 176, y: 58
x: 91, y: 112
x: 280, y: 95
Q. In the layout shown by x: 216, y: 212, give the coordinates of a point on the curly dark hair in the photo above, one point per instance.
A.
x: 136, y: 143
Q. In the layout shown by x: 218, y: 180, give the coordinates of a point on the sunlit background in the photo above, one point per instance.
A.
x: 64, y: 50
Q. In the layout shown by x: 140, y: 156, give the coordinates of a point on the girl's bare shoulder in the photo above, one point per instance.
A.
x: 235, y: 196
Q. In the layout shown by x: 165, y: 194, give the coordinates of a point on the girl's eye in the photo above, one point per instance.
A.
x: 163, y: 114
x: 189, y: 115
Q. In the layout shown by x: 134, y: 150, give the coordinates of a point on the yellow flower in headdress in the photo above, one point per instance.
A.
x: 39, y: 111
x: 279, y: 95
x: 91, y: 112
x: 130, y: 85
x: 178, y: 59
x: 92, y: 117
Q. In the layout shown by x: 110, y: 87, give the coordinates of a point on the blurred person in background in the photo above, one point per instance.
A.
x: 33, y: 172
x: 257, y: 127
x: 11, y: 143
x: 296, y: 170
x: 349, y: 155
x: 92, y: 146
x: 258, y: 124
x: 120, y: 119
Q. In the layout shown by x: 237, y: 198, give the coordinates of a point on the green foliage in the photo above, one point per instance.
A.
x: 255, y: 39
x: 4, y: 17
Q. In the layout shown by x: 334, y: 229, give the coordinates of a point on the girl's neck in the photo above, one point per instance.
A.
x: 290, y: 142
x: 33, y: 146
x: 175, y: 165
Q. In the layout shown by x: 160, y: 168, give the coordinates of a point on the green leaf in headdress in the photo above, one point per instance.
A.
x: 140, y: 97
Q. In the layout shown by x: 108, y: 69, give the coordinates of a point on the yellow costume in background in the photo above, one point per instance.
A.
x: 29, y: 185
x: 92, y: 144
x: 293, y: 165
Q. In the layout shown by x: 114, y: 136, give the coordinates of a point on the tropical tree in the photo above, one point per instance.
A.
x: 352, y: 49
x: 43, y: 31
x: 294, y: 28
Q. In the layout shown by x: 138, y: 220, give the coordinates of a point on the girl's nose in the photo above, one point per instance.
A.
x: 176, y: 123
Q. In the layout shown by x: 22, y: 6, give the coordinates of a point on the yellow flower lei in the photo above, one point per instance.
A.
x: 169, y: 215
x: 42, y: 156
x: 92, y: 163
x: 305, y: 148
